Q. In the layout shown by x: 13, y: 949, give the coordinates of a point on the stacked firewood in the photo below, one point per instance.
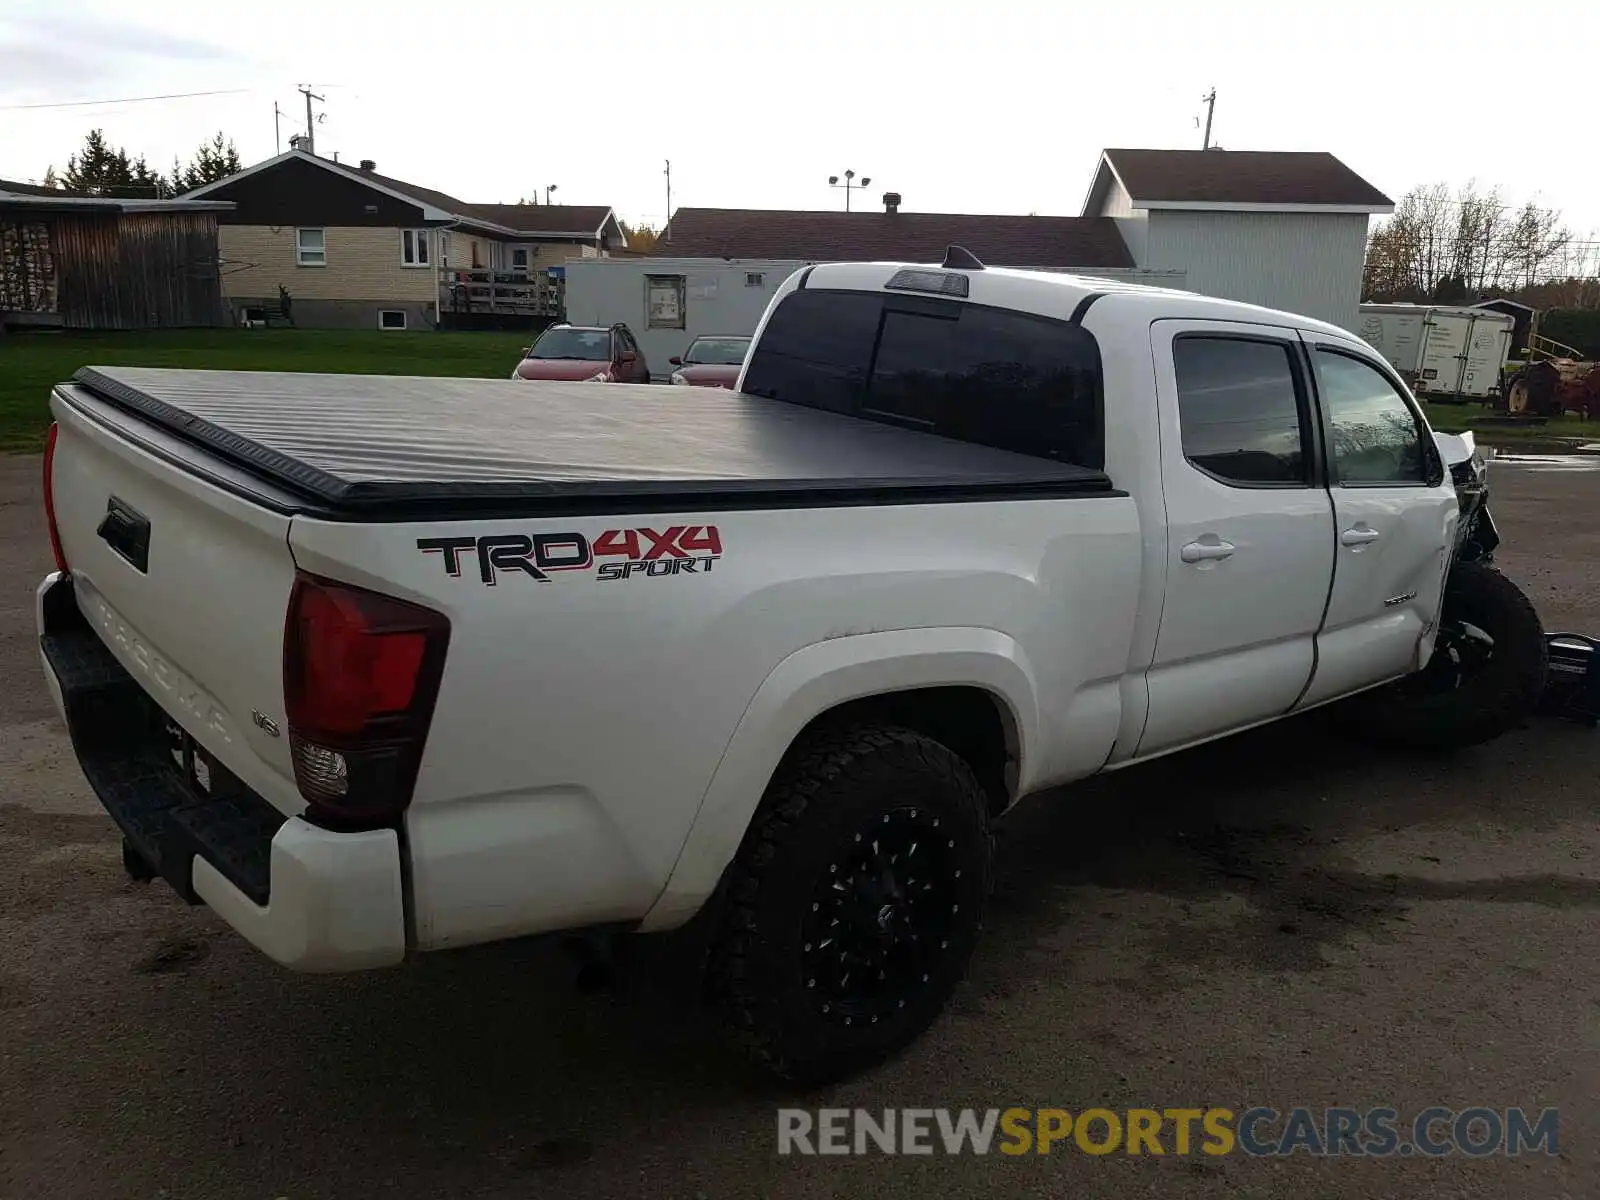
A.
x: 27, y: 267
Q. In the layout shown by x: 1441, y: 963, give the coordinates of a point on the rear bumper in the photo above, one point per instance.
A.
x: 310, y: 898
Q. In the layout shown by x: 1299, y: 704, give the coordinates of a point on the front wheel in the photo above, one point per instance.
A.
x: 855, y: 902
x: 1486, y: 675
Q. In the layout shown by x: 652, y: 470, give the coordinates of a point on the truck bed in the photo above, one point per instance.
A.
x: 380, y: 447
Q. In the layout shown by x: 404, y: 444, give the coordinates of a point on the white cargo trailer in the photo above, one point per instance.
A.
x: 1442, y: 351
x: 668, y: 302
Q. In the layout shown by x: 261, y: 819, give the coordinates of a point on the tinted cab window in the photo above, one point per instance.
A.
x: 986, y: 375
x: 1239, y: 410
x: 1376, y: 437
x: 816, y: 350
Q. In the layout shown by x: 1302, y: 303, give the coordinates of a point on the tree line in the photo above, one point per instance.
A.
x: 1448, y: 247
x: 98, y: 168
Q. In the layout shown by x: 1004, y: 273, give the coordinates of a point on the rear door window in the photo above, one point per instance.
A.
x: 991, y: 376
x: 1240, y: 410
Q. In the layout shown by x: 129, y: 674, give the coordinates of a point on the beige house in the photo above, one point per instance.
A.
x: 329, y: 245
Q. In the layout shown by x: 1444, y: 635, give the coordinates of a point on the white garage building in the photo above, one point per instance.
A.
x: 1288, y: 230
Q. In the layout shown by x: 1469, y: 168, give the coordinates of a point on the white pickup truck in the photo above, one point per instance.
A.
x: 377, y: 665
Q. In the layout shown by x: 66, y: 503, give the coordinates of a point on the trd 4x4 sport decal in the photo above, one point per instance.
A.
x: 640, y: 553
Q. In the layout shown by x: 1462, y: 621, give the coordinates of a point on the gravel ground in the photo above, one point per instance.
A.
x: 1278, y: 920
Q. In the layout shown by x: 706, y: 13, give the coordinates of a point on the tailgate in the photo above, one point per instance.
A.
x: 187, y: 583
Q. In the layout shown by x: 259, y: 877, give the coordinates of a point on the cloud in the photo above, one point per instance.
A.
x: 76, y: 49
x: 27, y: 69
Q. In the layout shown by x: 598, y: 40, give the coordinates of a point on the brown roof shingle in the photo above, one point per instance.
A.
x: 1002, y: 241
x: 576, y: 219
x: 1241, y: 177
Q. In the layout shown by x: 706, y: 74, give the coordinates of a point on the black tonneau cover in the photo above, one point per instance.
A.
x: 377, y: 444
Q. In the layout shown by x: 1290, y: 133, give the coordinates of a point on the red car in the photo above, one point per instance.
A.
x: 596, y: 353
x: 711, y: 361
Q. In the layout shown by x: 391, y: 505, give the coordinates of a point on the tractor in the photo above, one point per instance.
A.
x: 1554, y: 379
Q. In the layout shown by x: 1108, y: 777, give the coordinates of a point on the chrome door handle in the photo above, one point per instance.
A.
x: 1204, y: 551
x: 1360, y: 535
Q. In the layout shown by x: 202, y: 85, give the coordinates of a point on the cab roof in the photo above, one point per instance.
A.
x: 1055, y: 294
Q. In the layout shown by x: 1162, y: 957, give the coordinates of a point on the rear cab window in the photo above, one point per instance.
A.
x: 991, y: 376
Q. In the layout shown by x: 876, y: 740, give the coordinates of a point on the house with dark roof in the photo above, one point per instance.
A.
x: 341, y: 246
x: 72, y: 261
x: 1057, y: 243
x: 1284, y: 229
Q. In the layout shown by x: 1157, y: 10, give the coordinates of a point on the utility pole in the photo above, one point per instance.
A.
x: 311, y: 128
x: 1210, y: 101
x: 668, y: 174
x: 277, y: 133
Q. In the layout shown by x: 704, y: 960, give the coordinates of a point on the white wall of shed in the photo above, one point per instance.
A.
x: 1306, y: 263
x: 1117, y: 202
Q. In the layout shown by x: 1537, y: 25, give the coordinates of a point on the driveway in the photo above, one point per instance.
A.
x: 1279, y: 920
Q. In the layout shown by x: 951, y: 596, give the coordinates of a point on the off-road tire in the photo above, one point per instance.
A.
x: 1503, y: 692
x: 839, y: 784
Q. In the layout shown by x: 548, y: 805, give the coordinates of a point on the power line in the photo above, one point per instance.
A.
x: 124, y: 100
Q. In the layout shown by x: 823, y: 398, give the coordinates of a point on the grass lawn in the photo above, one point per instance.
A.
x: 1454, y: 418
x: 30, y: 363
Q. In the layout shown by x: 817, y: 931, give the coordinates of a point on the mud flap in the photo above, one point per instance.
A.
x: 1573, y: 687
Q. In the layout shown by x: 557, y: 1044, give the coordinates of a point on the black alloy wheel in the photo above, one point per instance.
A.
x: 881, y: 917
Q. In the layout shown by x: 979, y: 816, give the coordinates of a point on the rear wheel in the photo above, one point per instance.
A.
x: 1486, y: 675
x: 854, y: 903
x: 1517, y: 394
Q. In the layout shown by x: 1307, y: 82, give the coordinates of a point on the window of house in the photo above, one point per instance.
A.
x: 998, y: 378
x: 1376, y: 438
x: 444, y: 248
x: 519, y: 258
x: 477, y: 255
x: 392, y: 318
x: 414, y: 247
x: 1239, y: 410
x: 310, y: 248
x: 754, y: 279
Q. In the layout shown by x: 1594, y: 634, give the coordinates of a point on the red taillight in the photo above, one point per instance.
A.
x: 50, y: 498
x: 360, y: 675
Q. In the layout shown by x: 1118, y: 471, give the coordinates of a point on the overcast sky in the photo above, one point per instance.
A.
x: 998, y: 106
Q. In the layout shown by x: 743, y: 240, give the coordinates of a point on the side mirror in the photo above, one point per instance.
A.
x: 524, y: 351
x: 676, y: 360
